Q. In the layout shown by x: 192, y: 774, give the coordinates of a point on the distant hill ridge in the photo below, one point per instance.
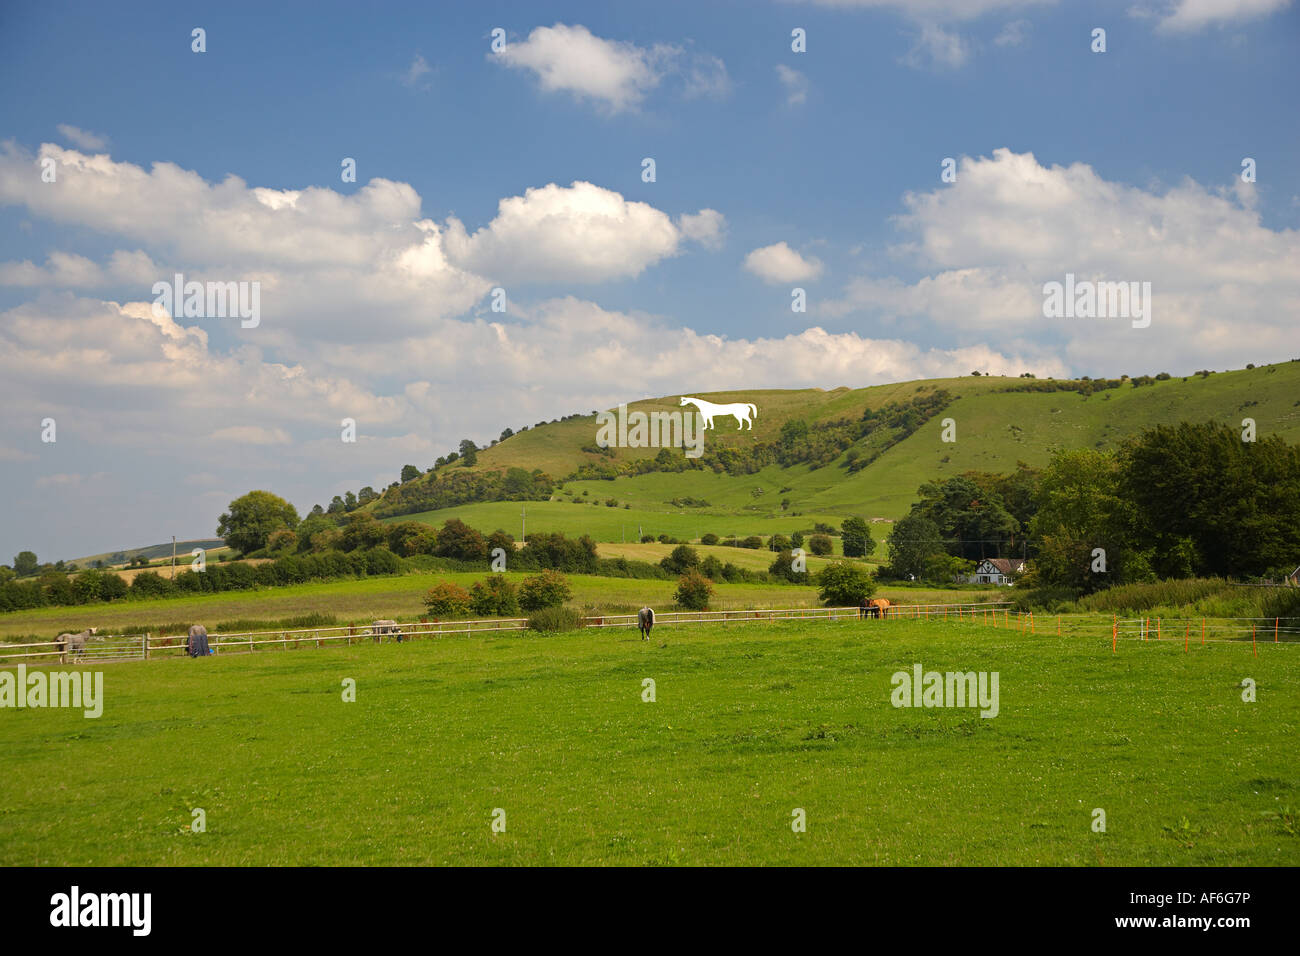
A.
x: 849, y: 450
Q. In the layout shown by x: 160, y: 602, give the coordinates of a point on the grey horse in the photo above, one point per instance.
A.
x: 75, y: 643
x: 382, y: 629
x: 197, y: 645
x: 645, y: 620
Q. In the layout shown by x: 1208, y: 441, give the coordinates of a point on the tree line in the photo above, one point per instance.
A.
x: 1176, y: 501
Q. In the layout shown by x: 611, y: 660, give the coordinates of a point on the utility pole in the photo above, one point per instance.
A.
x: 173, y: 557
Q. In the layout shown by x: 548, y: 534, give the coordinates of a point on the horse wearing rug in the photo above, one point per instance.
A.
x: 645, y: 620
x: 197, y: 644
x: 743, y: 411
x: 75, y: 643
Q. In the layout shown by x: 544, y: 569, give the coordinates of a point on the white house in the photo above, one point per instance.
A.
x: 997, y: 571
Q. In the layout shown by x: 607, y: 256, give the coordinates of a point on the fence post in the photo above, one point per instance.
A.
x: 1275, y: 621
x: 146, y: 645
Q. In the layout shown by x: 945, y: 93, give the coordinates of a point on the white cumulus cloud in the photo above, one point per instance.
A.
x: 778, y: 263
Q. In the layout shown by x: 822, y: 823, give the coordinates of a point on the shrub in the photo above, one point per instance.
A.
x: 282, y: 540
x: 709, y: 539
x: 783, y: 568
x: 240, y: 576
x: 552, y: 619
x: 88, y: 586
x: 113, y: 587
x: 446, y: 599
x: 362, y: 532
x: 459, y: 540
x: 548, y: 589
x: 494, y: 596
x: 683, y: 558
x: 779, y: 542
x: 151, y: 584
x: 820, y: 544
x: 844, y: 584
x: 711, y: 568
x: 380, y: 561
x: 409, y: 538
x: 504, y: 541
x: 694, y: 591
x: 553, y: 550
x: 327, y: 539
x: 753, y: 541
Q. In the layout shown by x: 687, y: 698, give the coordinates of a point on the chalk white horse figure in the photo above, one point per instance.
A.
x: 743, y: 411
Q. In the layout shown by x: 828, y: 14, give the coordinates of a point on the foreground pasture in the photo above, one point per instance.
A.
x: 750, y: 722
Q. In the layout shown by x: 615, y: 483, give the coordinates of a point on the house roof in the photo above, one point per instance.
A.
x: 1005, y: 565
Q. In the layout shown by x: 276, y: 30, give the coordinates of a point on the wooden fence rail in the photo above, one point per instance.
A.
x: 994, y: 614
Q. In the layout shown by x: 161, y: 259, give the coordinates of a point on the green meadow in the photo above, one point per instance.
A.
x: 592, y: 517
x: 750, y: 724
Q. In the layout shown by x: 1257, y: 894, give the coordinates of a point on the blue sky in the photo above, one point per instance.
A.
x: 775, y: 169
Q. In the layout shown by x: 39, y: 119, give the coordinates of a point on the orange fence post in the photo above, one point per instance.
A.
x: 1275, y: 620
x: 1114, y: 633
x: 1058, y: 625
x: 1031, y: 622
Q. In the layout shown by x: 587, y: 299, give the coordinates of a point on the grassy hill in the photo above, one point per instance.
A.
x: 997, y: 426
x: 151, y: 552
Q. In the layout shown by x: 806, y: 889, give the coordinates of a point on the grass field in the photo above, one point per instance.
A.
x: 750, y: 723
x: 619, y: 524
